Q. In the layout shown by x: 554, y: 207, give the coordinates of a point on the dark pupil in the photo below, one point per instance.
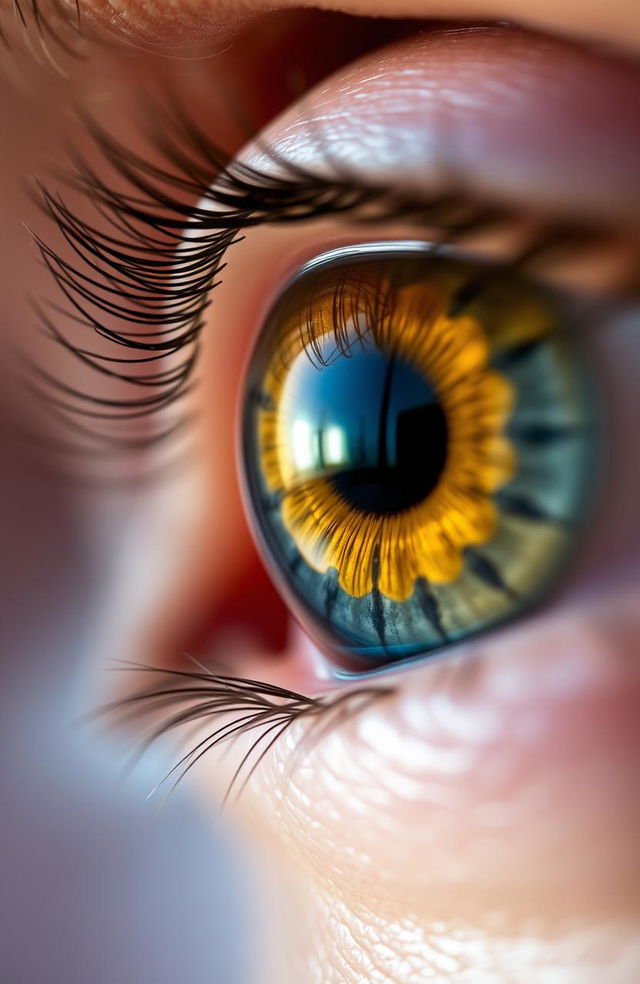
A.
x: 379, y: 429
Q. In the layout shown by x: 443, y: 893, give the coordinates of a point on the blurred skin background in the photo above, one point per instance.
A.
x: 526, y: 833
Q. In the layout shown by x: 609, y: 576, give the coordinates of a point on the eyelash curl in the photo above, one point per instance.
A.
x: 138, y: 274
x: 199, y: 697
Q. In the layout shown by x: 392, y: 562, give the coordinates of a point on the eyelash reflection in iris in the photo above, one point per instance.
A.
x: 417, y: 447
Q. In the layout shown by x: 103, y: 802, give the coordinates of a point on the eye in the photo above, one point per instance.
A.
x: 417, y: 448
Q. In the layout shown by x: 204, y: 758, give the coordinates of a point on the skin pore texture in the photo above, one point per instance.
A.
x: 480, y: 824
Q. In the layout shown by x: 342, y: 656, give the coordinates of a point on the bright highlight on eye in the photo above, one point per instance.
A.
x: 417, y: 448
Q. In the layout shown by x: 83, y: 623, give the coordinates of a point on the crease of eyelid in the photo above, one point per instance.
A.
x: 221, y: 19
x: 133, y: 283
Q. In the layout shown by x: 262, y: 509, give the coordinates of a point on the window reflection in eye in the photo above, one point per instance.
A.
x: 418, y: 446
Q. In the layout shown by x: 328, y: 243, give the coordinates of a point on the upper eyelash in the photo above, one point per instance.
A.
x: 143, y: 281
x: 200, y: 696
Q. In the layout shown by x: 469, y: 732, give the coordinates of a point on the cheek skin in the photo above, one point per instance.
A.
x: 475, y: 804
x: 509, y: 770
x: 490, y: 808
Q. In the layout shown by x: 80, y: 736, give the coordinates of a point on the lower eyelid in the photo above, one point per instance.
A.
x: 474, y: 758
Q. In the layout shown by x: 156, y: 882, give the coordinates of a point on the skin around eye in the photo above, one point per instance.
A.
x: 417, y: 445
x: 480, y: 824
x: 483, y: 818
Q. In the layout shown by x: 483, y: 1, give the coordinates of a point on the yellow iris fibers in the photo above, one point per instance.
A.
x: 426, y: 540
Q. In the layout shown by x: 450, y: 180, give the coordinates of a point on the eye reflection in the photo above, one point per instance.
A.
x: 417, y: 448
x: 365, y: 422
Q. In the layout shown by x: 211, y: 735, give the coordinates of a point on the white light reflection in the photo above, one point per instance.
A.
x: 334, y: 446
x: 302, y: 445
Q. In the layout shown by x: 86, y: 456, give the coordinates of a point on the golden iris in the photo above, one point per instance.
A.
x: 391, y: 415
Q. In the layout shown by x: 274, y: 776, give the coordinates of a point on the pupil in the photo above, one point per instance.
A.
x: 373, y: 426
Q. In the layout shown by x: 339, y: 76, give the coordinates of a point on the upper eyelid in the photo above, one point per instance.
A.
x: 504, y: 113
x: 130, y: 270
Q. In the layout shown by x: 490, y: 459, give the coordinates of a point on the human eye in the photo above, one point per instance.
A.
x: 466, y: 202
x: 490, y: 521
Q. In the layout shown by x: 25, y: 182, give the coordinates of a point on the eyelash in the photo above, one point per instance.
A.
x: 156, y: 262
x: 190, y: 697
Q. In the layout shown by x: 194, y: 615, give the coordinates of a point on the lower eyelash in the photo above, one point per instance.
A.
x: 142, y: 282
x: 199, y: 697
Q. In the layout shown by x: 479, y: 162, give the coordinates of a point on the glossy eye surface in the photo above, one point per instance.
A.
x: 417, y: 448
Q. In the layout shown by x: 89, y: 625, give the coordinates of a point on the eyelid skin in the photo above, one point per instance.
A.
x: 504, y: 115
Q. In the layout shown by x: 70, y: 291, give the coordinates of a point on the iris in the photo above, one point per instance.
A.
x: 417, y: 444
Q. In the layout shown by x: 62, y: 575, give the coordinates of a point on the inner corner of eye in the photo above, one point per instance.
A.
x: 417, y: 442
